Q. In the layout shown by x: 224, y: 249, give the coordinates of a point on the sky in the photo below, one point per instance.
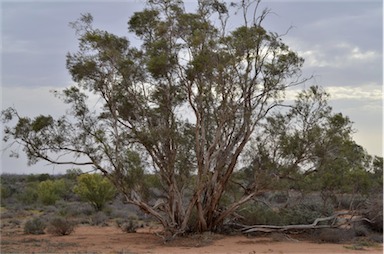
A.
x: 340, y: 40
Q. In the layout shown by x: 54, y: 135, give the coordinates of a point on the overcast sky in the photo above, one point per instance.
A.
x: 340, y: 40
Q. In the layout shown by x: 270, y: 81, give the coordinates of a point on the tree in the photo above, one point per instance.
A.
x: 310, y: 148
x: 228, y: 81
x: 95, y: 189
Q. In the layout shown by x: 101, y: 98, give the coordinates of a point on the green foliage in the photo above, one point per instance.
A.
x: 304, y: 213
x: 255, y: 214
x: 29, y: 194
x: 309, y: 148
x: 34, y: 226
x: 49, y: 191
x: 95, y: 189
x: 72, y: 174
x: 38, y: 177
x: 5, y: 192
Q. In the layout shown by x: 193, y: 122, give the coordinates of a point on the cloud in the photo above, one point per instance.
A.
x: 363, y: 92
x: 342, y: 55
x: 354, y: 93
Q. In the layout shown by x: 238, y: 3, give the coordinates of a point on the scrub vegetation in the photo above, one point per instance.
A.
x: 193, y: 131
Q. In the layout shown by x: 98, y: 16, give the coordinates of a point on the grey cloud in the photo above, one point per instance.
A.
x: 36, y: 37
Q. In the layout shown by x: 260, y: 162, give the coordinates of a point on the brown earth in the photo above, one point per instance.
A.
x: 110, y: 239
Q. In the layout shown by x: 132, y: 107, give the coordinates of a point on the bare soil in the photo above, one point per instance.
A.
x: 110, y: 239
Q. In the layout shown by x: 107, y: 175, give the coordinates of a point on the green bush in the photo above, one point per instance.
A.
x: 256, y: 214
x: 60, y: 226
x: 95, y: 189
x: 305, y: 213
x: 34, y: 226
x: 50, y: 191
x: 29, y: 195
x: 5, y: 192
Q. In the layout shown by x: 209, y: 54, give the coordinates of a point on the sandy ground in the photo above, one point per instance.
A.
x: 90, y: 239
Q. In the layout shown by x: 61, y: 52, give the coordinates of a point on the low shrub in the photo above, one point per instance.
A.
x: 259, y: 214
x: 350, y: 202
x: 361, y: 230
x: 279, y: 198
x: 374, y: 212
x: 377, y: 238
x: 28, y: 196
x: 99, y: 219
x: 60, y: 226
x: 34, y: 226
x: 14, y: 223
x: 335, y: 235
x: 304, y: 213
x: 129, y: 225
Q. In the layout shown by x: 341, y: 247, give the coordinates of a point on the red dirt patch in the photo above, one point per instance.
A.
x: 90, y: 239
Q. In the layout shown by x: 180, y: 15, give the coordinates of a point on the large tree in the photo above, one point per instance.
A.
x: 307, y: 147
x: 185, y: 102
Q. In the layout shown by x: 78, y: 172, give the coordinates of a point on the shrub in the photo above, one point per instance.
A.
x: 15, y: 223
x: 335, y: 235
x: 374, y: 212
x: 34, y: 226
x: 279, y: 198
x: 304, y: 213
x: 129, y: 225
x: 5, y: 192
x: 259, y: 214
x: 60, y: 226
x: 377, y: 238
x: 350, y: 202
x: 29, y: 195
x: 77, y: 209
x: 95, y: 189
x: 50, y: 191
x: 99, y: 219
x: 361, y: 230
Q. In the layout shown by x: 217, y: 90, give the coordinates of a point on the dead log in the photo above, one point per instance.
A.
x: 273, y: 228
x: 336, y: 223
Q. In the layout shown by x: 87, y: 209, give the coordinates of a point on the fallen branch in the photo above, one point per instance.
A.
x: 272, y: 228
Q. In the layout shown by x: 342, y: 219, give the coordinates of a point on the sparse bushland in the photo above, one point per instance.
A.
x: 186, y: 173
x: 269, y: 208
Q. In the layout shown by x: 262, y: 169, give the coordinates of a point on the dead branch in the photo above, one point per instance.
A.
x: 273, y: 228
